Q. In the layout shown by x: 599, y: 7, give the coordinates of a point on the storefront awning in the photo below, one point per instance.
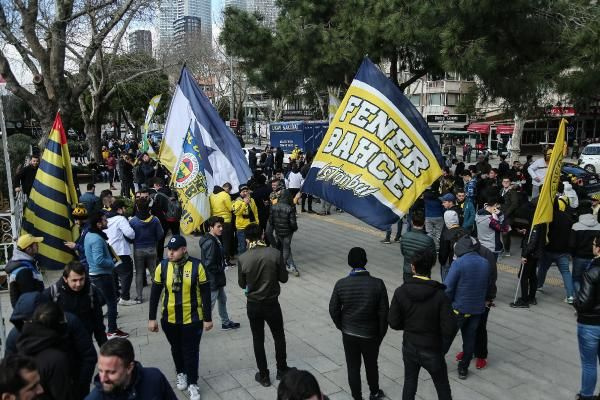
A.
x: 479, y: 127
x: 504, y: 129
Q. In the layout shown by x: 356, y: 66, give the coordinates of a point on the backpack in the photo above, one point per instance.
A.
x: 55, y: 293
x: 174, y: 210
x: 524, y: 213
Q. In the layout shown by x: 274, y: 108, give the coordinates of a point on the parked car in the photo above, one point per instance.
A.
x: 584, y: 182
x: 589, y: 159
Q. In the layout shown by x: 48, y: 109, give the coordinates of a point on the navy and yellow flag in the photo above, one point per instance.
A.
x: 378, y: 155
x: 190, y: 182
x: 544, y: 211
x: 48, y: 210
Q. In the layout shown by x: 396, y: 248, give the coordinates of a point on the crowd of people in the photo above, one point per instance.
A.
x: 465, y: 222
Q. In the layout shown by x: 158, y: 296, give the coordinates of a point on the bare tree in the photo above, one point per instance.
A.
x: 56, y: 44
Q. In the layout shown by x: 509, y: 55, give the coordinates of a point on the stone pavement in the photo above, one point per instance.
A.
x: 532, y: 352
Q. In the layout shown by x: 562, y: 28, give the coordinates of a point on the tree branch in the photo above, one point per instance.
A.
x: 14, y: 86
x: 16, y: 43
x: 417, y: 75
x: 112, y: 90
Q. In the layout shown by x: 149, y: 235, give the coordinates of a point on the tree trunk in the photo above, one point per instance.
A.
x: 92, y: 133
x: 394, y: 68
x: 515, y: 142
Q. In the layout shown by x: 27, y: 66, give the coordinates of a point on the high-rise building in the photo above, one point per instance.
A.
x: 267, y: 8
x: 140, y: 41
x: 241, y: 4
x: 187, y: 30
x: 171, y: 10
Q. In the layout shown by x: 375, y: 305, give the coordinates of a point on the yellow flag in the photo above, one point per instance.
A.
x: 544, y: 209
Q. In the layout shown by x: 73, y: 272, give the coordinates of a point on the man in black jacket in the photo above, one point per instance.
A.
x: 75, y: 294
x: 359, y: 308
x: 213, y: 260
x: 587, y: 304
x: 557, y: 251
x: 510, y: 204
x: 422, y: 310
x: 25, y: 177
x: 45, y: 339
x: 260, y: 270
x: 281, y: 228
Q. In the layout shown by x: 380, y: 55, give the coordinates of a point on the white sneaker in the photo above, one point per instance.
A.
x: 123, y: 302
x: 182, y: 381
x: 194, y: 392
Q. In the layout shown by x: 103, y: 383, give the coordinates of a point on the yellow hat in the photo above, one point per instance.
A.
x: 27, y: 240
x: 80, y: 212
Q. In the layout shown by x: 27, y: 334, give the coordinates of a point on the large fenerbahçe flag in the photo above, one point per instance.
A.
x: 192, y: 111
x: 378, y: 155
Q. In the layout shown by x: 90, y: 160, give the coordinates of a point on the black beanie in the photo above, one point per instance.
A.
x: 357, y: 257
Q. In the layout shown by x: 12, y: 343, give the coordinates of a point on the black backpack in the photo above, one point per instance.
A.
x: 174, y: 210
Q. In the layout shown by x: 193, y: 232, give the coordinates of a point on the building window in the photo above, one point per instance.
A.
x: 415, y: 99
x: 452, y: 99
x: 435, y: 99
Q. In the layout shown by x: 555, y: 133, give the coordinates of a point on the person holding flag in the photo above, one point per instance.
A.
x: 543, y: 215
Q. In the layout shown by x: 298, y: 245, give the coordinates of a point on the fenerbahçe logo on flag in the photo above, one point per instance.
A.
x: 378, y: 155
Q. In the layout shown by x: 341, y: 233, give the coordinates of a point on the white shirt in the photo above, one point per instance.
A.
x: 119, y: 229
x: 538, y: 169
x: 294, y: 180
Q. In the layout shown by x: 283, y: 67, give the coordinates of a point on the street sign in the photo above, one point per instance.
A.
x: 456, y: 118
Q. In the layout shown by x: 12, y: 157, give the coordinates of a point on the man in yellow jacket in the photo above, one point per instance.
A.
x: 221, y: 206
x: 246, y: 213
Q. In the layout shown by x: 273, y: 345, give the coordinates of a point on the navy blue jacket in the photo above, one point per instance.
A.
x: 147, y: 384
x: 468, y: 280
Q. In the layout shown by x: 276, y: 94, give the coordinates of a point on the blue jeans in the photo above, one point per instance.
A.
x: 562, y: 262
x: 468, y: 329
x: 241, y: 239
x: 106, y: 286
x: 588, y: 337
x: 580, y: 265
x: 219, y: 294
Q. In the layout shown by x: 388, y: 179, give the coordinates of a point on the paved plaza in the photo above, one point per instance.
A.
x: 532, y: 352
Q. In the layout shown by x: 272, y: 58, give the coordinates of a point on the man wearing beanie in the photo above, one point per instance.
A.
x: 359, y: 308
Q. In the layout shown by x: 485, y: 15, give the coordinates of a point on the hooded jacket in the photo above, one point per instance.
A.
x: 282, y: 218
x: 85, y: 304
x: 532, y: 244
x: 118, y: 231
x: 468, y: 280
x: 489, y: 230
x: 23, y: 275
x: 49, y: 348
x: 423, y: 311
x: 587, y: 299
x: 213, y: 260
x: 447, y: 240
x: 220, y: 204
x: 146, y: 384
x: 148, y: 231
x: 80, y: 343
x: 468, y: 213
x: 582, y: 236
x: 359, y: 305
x: 245, y: 214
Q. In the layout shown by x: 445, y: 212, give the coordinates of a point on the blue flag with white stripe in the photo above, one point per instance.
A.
x: 191, y: 110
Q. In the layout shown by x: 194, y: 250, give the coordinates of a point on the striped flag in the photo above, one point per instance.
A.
x: 48, y: 210
x: 146, y: 147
